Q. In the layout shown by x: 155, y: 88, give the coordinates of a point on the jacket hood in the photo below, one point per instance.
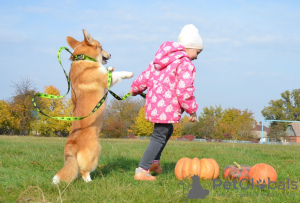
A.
x: 168, y: 53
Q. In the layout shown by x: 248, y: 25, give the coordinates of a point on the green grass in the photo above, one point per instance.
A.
x: 27, y: 165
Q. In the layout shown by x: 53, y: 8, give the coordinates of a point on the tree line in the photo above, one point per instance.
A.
x: 127, y: 118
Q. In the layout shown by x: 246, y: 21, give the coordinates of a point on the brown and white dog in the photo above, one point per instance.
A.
x: 89, y: 85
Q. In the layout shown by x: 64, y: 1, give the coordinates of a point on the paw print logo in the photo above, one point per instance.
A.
x: 261, y: 184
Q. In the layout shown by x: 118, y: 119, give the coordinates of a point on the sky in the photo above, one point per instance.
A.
x: 251, y: 48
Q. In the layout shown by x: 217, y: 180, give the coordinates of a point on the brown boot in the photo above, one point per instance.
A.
x: 140, y: 174
x: 155, y: 167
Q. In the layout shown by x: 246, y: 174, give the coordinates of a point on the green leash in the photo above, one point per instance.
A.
x: 98, y: 105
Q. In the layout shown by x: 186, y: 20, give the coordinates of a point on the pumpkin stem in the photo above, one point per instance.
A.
x: 238, y: 165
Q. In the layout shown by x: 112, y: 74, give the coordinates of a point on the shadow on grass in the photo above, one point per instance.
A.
x: 123, y: 164
x: 117, y: 164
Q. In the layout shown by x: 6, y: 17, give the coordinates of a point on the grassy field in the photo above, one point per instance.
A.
x: 27, y: 165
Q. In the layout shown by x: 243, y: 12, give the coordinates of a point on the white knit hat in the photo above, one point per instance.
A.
x: 189, y: 37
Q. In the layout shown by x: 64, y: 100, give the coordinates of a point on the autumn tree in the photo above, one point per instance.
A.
x: 286, y: 108
x: 21, y: 106
x: 119, y: 116
x: 47, y: 126
x: 214, y: 123
x: 236, y: 122
x: 187, y: 127
x: 141, y: 126
x: 6, y: 118
x: 207, y: 121
x: 177, y: 129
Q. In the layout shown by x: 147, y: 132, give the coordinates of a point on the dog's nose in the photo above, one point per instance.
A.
x: 109, y: 55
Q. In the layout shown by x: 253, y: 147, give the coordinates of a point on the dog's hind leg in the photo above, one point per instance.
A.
x: 69, y: 171
x: 87, y: 177
x: 86, y: 166
x: 87, y: 161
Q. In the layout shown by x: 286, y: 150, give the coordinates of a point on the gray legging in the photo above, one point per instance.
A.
x: 159, y: 138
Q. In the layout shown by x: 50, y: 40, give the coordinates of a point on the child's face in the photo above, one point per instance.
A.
x: 193, y: 53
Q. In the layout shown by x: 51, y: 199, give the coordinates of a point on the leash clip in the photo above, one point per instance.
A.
x: 79, y: 57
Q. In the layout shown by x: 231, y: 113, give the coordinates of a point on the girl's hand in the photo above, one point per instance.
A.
x: 132, y: 93
x: 193, y: 117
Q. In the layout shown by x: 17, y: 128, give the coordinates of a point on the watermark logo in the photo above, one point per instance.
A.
x: 196, y: 191
x: 261, y: 184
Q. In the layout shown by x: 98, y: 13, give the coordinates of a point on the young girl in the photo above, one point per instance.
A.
x: 169, y: 79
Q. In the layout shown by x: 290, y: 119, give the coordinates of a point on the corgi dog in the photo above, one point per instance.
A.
x: 89, y: 84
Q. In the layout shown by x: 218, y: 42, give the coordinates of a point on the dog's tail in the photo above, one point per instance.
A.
x: 70, y: 170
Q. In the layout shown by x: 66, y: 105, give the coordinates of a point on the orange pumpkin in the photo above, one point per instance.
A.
x: 204, y: 168
x: 262, y: 173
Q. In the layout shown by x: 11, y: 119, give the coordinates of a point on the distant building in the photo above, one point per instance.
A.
x: 293, y: 131
x: 256, y: 131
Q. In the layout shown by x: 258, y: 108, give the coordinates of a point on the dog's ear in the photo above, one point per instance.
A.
x: 87, y: 37
x: 72, y: 42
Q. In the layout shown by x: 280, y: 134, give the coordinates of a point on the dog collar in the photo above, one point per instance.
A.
x: 83, y: 57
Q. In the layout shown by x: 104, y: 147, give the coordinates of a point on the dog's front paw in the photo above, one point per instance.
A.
x: 111, y: 69
x: 128, y: 75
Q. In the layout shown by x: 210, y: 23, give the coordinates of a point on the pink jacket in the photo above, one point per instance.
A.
x: 169, y: 79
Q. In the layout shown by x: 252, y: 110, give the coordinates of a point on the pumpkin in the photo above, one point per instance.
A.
x: 203, y: 168
x: 262, y: 173
x: 236, y: 172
